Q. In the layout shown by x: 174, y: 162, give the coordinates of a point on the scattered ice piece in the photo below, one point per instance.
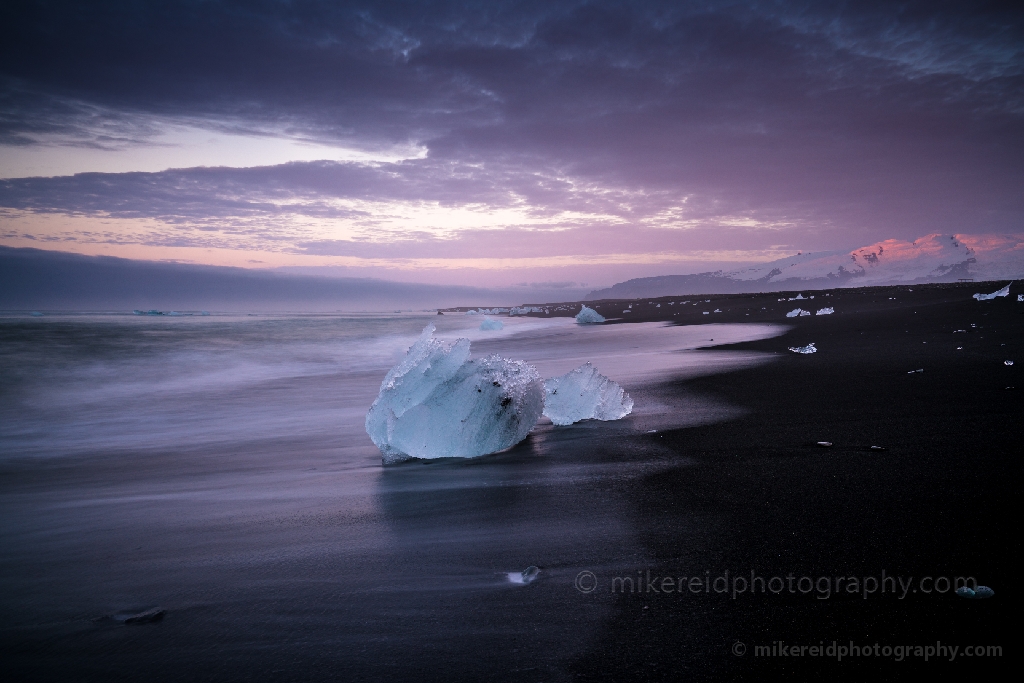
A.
x: 489, y: 324
x: 588, y: 316
x: 983, y: 592
x: 1005, y: 291
x: 717, y: 310
x: 436, y: 403
x: 825, y: 444
x: 804, y: 349
x: 145, y: 617
x: 584, y: 394
x: 913, y: 371
x: 1007, y: 362
x: 826, y: 311
x: 796, y: 312
x: 526, y: 576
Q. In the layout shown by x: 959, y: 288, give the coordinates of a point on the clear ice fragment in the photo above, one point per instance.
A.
x: 490, y: 324
x: 436, y: 403
x: 588, y: 316
x: 1005, y: 291
x: 584, y: 394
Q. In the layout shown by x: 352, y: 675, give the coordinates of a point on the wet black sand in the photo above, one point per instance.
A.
x: 401, y: 585
x: 941, y: 500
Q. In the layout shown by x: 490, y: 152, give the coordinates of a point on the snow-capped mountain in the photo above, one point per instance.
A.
x: 932, y: 258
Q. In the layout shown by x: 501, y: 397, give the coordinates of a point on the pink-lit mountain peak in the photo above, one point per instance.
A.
x: 932, y: 257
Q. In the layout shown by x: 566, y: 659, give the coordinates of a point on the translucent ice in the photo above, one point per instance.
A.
x: 804, y: 349
x: 436, y: 403
x: 826, y: 311
x: 489, y: 324
x: 1005, y: 291
x: 528, y: 575
x: 796, y: 312
x: 584, y: 394
x: 588, y: 316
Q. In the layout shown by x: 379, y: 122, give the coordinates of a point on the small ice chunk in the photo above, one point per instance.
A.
x: 584, y: 394
x: 526, y: 576
x: 878, y: 448
x: 1020, y: 297
x: 913, y: 371
x: 796, y: 312
x: 798, y: 297
x: 1007, y: 362
x: 1005, y: 291
x: 825, y: 444
x: 804, y: 349
x: 707, y: 313
x: 627, y: 311
x: 489, y: 324
x: 588, y: 316
x: 976, y: 593
x: 717, y: 310
x: 145, y: 617
x: 826, y: 311
x: 436, y: 403
x: 472, y: 311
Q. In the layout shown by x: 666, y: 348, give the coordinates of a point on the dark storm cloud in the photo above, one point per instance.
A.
x: 880, y: 119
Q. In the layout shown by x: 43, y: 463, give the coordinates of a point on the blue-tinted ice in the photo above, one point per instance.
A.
x: 436, y: 403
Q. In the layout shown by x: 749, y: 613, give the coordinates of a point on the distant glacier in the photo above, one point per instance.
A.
x: 933, y: 258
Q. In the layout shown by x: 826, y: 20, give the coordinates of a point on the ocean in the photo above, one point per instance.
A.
x: 217, y: 467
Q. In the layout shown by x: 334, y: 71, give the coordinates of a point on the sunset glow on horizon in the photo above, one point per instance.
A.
x: 464, y: 143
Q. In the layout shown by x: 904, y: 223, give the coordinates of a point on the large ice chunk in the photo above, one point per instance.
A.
x: 584, y: 394
x: 826, y: 311
x: 491, y: 324
x: 588, y: 316
x: 797, y: 312
x: 804, y: 349
x: 436, y: 403
x: 1005, y: 291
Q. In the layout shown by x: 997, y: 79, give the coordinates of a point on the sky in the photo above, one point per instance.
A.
x: 553, y: 144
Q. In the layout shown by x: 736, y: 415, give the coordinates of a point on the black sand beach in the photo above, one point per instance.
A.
x: 938, y: 501
x: 253, y: 594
